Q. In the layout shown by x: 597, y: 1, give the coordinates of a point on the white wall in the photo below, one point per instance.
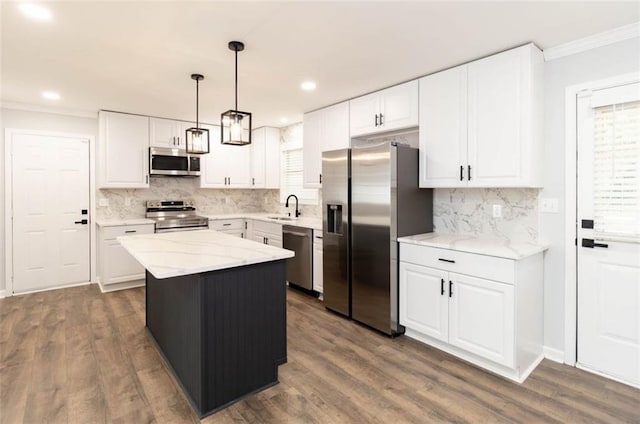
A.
x: 20, y: 119
x: 603, y: 62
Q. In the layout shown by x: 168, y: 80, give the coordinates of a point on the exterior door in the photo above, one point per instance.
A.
x: 608, y: 221
x: 50, y: 190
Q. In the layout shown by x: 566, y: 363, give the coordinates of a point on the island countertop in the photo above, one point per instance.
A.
x: 191, y: 252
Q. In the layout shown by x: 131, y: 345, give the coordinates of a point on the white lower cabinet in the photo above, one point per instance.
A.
x: 317, y: 261
x: 492, y: 318
x: 266, y: 233
x: 117, y: 269
x: 235, y: 227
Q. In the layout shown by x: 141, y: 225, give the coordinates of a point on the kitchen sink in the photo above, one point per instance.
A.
x: 281, y: 218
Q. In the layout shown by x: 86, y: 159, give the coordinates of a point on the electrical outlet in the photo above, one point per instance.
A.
x: 549, y: 205
x: 497, y: 211
x: 103, y: 203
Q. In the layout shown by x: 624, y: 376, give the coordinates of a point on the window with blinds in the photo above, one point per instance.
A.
x: 291, y: 179
x: 616, y: 171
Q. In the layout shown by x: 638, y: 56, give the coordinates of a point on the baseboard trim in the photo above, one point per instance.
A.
x: 3, y: 294
x: 555, y: 355
x: 120, y: 286
x: 593, y: 41
x: 610, y: 377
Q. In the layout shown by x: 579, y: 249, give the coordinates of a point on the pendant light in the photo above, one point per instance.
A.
x: 236, y: 125
x: 197, y: 138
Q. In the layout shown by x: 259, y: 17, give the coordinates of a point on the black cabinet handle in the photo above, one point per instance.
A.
x: 83, y: 222
x: 253, y: 181
x: 461, y: 172
x: 376, y: 119
x: 381, y: 116
x: 450, y: 288
x: 442, y: 287
x: 591, y: 244
x: 130, y: 231
x: 469, y: 172
x: 451, y: 261
x: 226, y: 225
x: 320, y: 178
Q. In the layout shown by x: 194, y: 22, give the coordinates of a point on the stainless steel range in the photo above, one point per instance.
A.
x: 175, y: 215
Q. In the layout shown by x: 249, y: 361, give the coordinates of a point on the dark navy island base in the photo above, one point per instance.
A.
x: 222, y: 333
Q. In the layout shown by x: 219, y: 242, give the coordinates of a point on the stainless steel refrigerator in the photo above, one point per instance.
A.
x: 370, y: 197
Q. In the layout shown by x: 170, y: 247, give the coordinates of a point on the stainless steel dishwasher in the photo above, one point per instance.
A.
x: 300, y: 267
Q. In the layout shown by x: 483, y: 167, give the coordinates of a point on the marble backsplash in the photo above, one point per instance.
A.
x: 131, y: 203
x: 470, y: 211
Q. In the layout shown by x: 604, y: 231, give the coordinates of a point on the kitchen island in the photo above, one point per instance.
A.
x: 216, y: 309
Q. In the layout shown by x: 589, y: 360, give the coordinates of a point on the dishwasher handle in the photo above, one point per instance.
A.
x: 295, y: 233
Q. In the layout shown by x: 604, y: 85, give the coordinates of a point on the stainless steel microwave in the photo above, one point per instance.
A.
x: 173, y: 162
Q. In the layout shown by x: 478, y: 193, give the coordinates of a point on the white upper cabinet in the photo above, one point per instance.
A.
x: 167, y: 133
x: 123, y: 152
x: 325, y: 129
x: 225, y: 166
x: 386, y: 110
x: 481, y: 123
x: 265, y: 158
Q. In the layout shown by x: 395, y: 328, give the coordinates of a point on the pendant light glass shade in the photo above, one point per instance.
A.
x: 197, y: 138
x: 235, y: 125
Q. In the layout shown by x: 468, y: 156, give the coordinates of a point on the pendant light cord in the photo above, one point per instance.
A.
x: 236, y: 79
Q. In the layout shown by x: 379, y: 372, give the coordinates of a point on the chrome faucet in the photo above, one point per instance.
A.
x: 286, y: 205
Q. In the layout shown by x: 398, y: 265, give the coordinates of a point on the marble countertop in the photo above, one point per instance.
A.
x: 307, y: 222
x: 121, y: 222
x: 191, y: 252
x: 476, y: 244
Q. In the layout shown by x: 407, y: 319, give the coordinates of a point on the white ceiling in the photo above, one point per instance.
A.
x: 137, y: 56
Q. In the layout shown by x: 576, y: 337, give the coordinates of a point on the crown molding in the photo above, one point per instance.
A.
x: 593, y: 41
x: 48, y: 109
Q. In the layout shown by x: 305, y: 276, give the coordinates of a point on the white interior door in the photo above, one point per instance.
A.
x: 608, y: 220
x: 50, y: 189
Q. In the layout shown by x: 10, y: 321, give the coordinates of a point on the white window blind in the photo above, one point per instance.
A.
x: 616, y: 171
x: 291, y: 179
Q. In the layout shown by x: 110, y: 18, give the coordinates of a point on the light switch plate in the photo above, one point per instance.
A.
x: 548, y: 205
x: 497, y: 211
x: 103, y: 203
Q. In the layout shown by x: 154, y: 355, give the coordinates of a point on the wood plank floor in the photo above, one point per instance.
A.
x: 78, y: 356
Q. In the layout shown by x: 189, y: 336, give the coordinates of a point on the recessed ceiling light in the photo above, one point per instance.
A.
x: 308, y: 85
x: 51, y: 95
x: 284, y: 120
x: 35, y: 11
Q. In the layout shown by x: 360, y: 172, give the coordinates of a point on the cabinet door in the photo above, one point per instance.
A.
x: 258, y: 163
x: 481, y: 318
x: 181, y: 133
x: 123, y: 160
x: 162, y: 133
x: 335, y: 133
x: 272, y: 158
x: 213, y: 165
x: 119, y: 265
x: 238, y: 165
x: 317, y: 261
x: 399, y: 107
x: 364, y: 115
x: 311, y: 149
x: 272, y: 241
x: 496, y: 99
x: 443, y: 129
x: 424, y: 301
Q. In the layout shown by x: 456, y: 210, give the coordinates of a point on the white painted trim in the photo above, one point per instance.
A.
x: 593, y: 41
x: 555, y: 355
x: 67, y: 286
x: 3, y: 294
x: 107, y: 288
x: 570, y: 279
x: 48, y: 109
x: 8, y: 195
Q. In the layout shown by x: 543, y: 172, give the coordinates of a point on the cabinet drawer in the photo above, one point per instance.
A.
x: 109, y: 233
x: 273, y: 230
x: 226, y: 224
x: 489, y: 267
